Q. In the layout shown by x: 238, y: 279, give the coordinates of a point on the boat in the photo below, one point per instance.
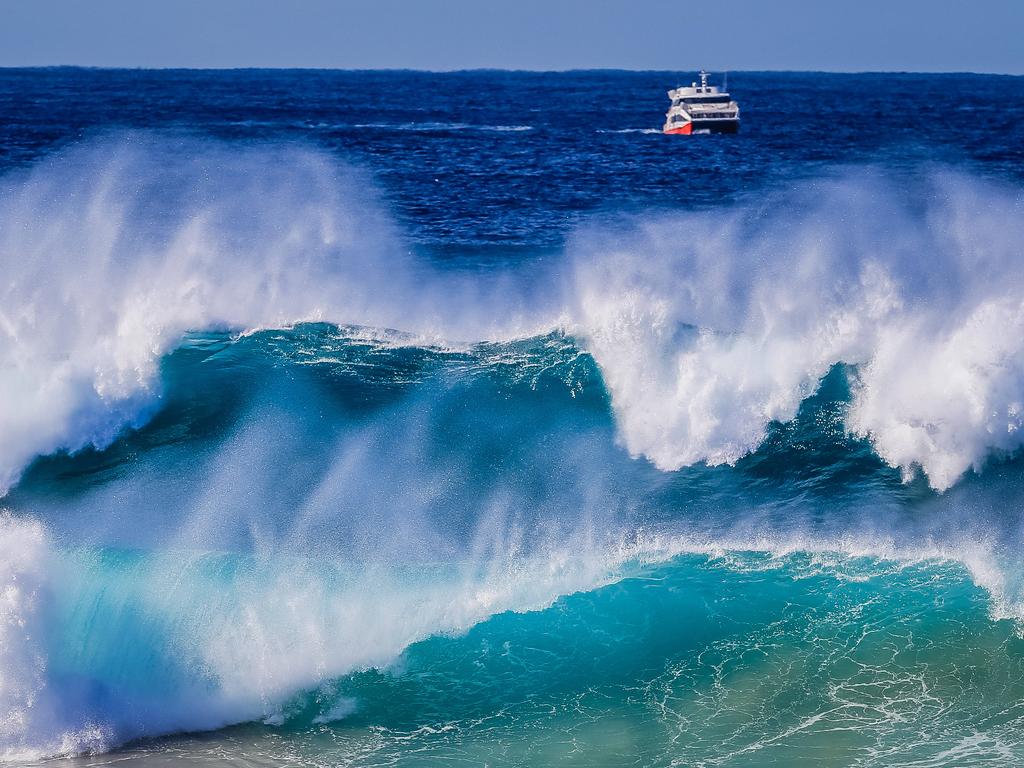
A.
x: 701, y: 109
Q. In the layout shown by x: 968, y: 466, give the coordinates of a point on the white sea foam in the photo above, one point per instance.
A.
x: 34, y: 721
x: 431, y: 127
x: 709, y: 325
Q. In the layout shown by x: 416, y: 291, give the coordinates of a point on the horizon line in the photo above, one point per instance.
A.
x: 467, y: 70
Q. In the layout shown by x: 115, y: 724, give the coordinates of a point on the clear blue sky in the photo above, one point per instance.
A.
x: 853, y: 35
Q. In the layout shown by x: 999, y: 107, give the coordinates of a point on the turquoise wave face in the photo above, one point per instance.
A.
x: 738, y: 660
x: 470, y: 566
x: 741, y: 659
x: 399, y: 429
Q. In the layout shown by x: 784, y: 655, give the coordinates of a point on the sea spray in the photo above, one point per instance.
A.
x: 113, y: 251
x: 224, y: 510
x: 708, y: 326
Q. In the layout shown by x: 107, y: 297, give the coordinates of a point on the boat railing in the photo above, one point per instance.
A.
x: 724, y: 110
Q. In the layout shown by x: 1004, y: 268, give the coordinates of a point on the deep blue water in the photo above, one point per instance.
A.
x: 437, y: 147
x: 362, y: 418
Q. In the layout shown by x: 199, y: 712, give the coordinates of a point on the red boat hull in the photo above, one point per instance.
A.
x: 705, y: 126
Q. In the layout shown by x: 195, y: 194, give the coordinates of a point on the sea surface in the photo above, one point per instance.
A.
x: 409, y: 419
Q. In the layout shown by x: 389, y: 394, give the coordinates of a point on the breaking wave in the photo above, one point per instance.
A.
x: 251, y: 444
x: 707, y: 326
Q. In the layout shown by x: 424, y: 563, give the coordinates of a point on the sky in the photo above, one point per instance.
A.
x: 828, y: 35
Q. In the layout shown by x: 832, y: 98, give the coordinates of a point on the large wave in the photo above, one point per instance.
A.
x: 230, y: 514
x: 707, y: 325
x: 112, y: 252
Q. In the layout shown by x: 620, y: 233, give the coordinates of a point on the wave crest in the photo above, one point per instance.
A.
x: 707, y: 326
x: 710, y: 325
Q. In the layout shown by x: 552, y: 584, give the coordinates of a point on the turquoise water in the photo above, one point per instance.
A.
x: 814, y: 629
x: 740, y: 659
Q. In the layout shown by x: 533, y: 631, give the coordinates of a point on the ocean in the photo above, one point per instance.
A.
x: 411, y: 419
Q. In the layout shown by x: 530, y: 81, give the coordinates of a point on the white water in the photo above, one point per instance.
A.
x: 111, y: 252
x: 709, y: 325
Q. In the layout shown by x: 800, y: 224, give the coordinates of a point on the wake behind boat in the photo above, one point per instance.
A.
x: 701, y: 109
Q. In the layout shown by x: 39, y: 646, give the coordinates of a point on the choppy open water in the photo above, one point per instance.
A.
x: 352, y: 419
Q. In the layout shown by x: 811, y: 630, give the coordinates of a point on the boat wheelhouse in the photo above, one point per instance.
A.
x: 701, y: 109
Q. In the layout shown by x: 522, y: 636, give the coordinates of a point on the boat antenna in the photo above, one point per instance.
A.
x: 725, y: 84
